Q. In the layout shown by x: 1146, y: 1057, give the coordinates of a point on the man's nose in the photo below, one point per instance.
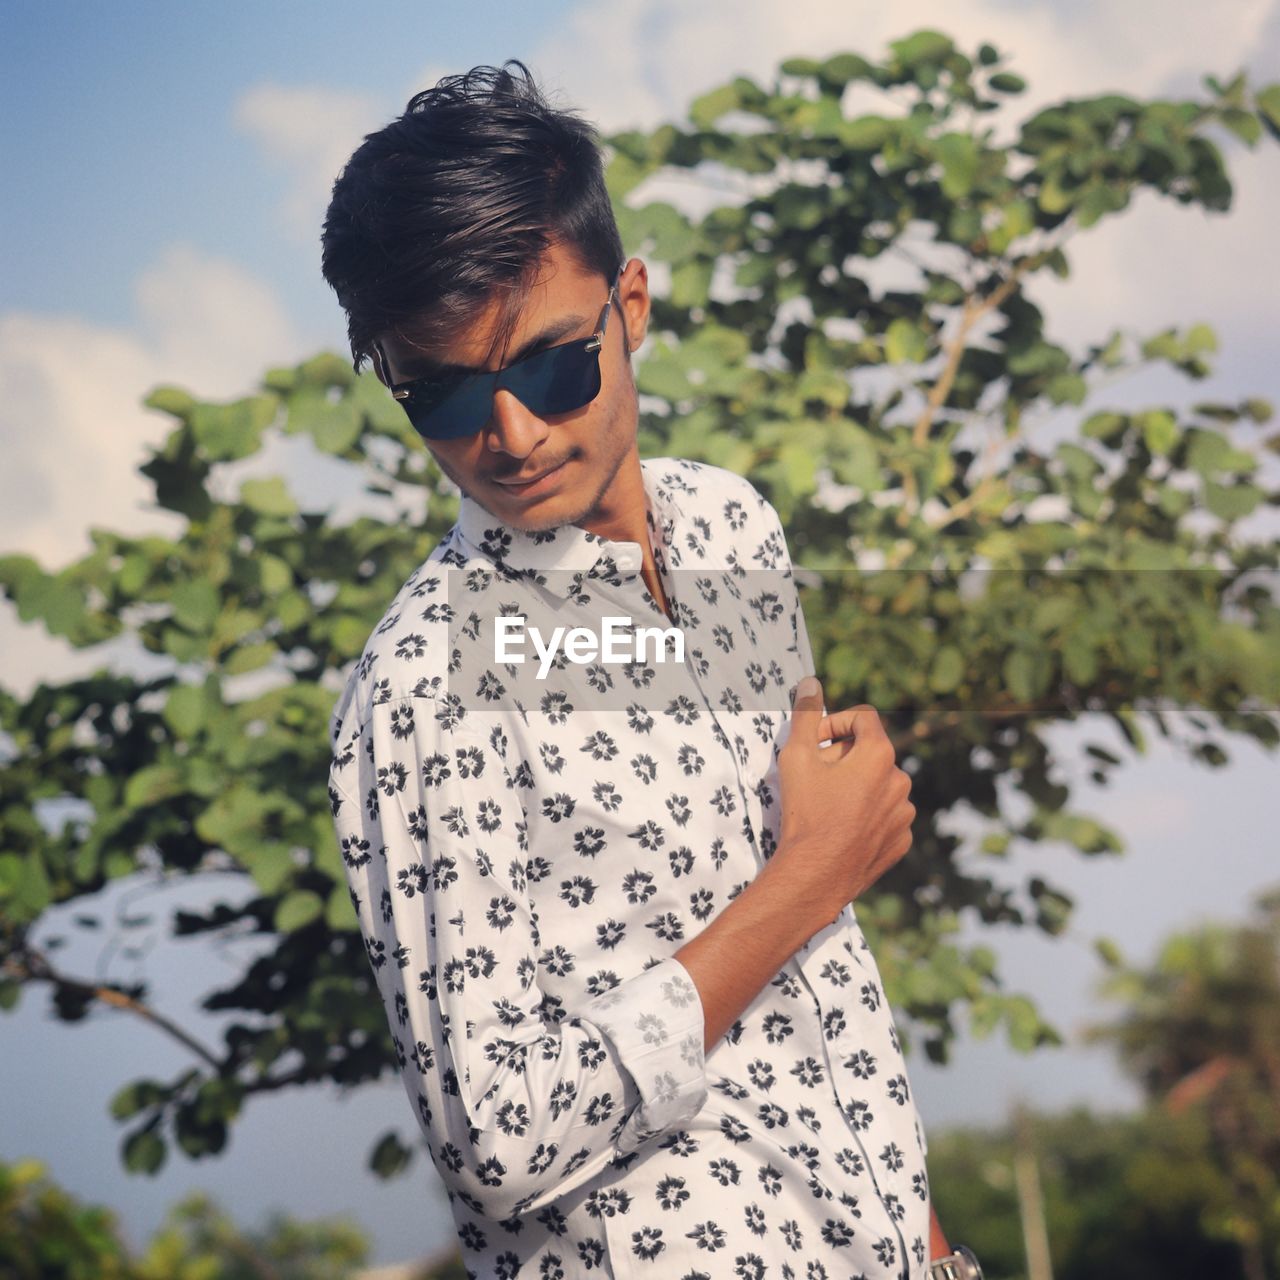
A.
x: 513, y: 428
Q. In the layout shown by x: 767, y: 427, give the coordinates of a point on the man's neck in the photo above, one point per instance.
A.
x: 622, y: 516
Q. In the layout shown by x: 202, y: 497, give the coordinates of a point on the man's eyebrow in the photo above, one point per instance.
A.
x: 553, y: 333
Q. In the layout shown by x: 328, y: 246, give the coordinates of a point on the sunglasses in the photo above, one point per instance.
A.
x: 557, y: 380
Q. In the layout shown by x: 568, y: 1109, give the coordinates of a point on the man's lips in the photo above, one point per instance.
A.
x: 517, y: 481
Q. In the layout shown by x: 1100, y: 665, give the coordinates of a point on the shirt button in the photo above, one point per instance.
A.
x: 628, y: 561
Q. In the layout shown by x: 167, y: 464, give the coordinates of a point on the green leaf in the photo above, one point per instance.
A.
x: 1022, y: 1023
x: 662, y: 375
x: 1107, y: 427
x: 339, y: 914
x: 1231, y: 502
x: 171, y: 400
x: 195, y: 605
x: 1007, y: 82
x: 924, y: 46
x: 233, y: 430
x: 144, y: 1152
x: 56, y: 601
x: 1019, y: 220
x: 837, y: 71
x: 947, y: 669
x: 389, y: 1156
x: 1207, y: 452
x: 1159, y: 430
x: 297, y: 909
x: 250, y: 657
x: 1066, y: 388
x: 690, y: 283
x: 268, y: 496
x: 984, y: 1016
x: 1268, y: 103
x: 153, y: 784
x: 137, y: 1096
x: 328, y: 369
x: 958, y: 153
x: 867, y: 133
x: 1026, y: 674
x: 334, y: 425
x: 1054, y: 197
x: 798, y: 468
x: 185, y: 709
x: 704, y: 111
x: 904, y: 343
x: 1244, y: 124
x: 32, y: 892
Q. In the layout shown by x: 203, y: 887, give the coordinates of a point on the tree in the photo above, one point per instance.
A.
x: 1201, y: 1034
x: 1124, y: 1196
x: 46, y: 1234
x: 990, y: 622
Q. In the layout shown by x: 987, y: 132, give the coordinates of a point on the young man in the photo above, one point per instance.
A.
x: 607, y: 901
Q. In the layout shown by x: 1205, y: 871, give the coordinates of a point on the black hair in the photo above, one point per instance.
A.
x: 452, y: 204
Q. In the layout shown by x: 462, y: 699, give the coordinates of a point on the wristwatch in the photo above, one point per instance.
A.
x: 960, y: 1265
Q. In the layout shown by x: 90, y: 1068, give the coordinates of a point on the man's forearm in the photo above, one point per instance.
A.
x: 745, y: 946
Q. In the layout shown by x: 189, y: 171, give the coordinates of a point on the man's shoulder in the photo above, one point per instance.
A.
x: 709, y: 494
x: 407, y: 653
x: 701, y: 479
x: 721, y: 508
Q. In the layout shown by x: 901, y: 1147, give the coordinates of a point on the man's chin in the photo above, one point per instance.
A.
x: 537, y: 518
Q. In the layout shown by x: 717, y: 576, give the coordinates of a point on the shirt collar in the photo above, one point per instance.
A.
x: 567, y: 550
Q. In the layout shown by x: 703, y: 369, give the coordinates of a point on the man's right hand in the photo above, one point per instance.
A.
x: 846, y: 818
x: 845, y: 821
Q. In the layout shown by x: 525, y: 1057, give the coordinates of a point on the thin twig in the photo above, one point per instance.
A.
x: 34, y: 966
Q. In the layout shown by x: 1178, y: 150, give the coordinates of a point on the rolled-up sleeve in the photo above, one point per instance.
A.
x: 520, y: 1098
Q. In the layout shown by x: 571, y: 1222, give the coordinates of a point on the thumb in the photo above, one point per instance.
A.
x: 806, y: 708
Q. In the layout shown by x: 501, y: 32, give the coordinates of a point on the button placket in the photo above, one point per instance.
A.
x: 825, y: 947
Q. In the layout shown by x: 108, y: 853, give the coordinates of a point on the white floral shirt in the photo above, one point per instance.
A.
x: 527, y: 854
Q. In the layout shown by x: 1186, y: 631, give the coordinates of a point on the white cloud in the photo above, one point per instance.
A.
x: 72, y: 411
x: 310, y: 132
x: 1156, y: 264
x: 75, y: 429
x: 648, y: 57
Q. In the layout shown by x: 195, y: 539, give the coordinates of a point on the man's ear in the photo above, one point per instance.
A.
x: 379, y: 363
x: 633, y: 297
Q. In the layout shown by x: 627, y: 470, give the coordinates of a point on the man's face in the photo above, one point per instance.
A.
x: 585, y: 447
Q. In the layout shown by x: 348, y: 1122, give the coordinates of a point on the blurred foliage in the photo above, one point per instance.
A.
x: 1021, y: 586
x: 1124, y: 1197
x: 1201, y: 1033
x: 1190, y: 1187
x: 47, y: 1234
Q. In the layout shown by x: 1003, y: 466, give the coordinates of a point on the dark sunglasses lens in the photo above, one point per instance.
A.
x: 555, y: 381
x: 450, y: 410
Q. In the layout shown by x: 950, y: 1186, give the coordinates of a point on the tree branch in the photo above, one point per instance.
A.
x: 33, y: 966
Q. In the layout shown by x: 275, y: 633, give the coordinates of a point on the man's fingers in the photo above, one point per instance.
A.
x: 852, y: 722
x: 806, y: 711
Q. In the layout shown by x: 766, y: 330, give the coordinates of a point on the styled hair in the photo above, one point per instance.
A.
x: 449, y: 208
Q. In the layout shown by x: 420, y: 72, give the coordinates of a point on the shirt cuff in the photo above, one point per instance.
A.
x: 656, y: 1024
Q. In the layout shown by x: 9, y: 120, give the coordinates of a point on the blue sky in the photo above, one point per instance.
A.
x: 119, y: 123
x: 165, y: 176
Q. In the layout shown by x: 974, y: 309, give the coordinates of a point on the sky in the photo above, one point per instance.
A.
x: 166, y: 171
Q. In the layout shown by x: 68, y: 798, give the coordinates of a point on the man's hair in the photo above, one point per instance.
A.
x: 451, y: 205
